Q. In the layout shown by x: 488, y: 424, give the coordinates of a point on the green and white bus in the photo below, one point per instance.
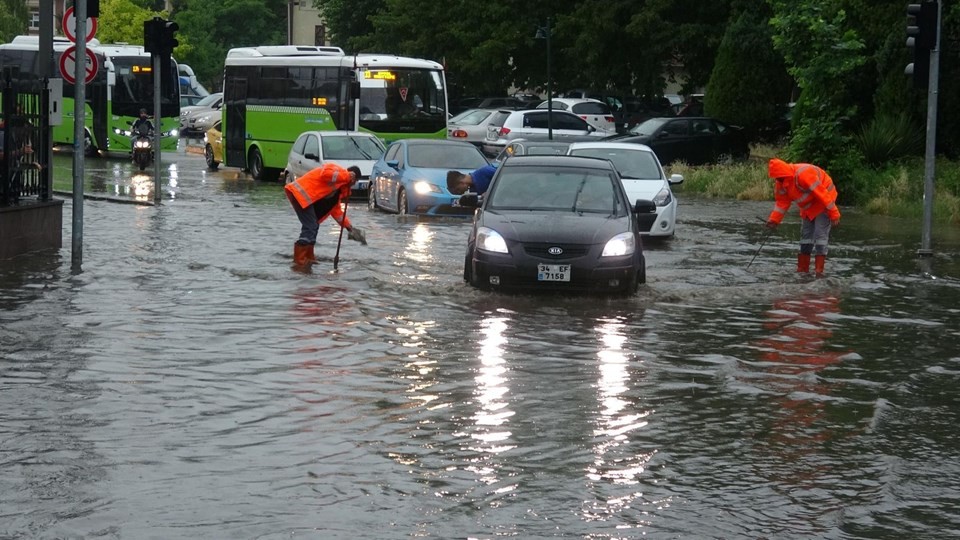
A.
x: 273, y: 94
x: 122, y: 86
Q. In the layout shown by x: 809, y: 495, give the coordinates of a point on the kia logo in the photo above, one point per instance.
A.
x: 555, y: 250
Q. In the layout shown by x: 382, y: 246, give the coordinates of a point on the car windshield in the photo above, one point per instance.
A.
x: 351, y: 147
x: 470, y: 118
x: 208, y: 101
x: 639, y: 164
x: 648, y: 127
x: 546, y: 149
x: 557, y: 189
x: 444, y: 156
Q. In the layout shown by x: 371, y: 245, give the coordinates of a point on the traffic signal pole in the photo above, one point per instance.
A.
x: 157, y: 122
x: 79, y: 135
x: 929, y: 159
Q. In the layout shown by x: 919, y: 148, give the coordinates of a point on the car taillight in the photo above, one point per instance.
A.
x: 504, y: 131
x: 608, y: 118
x: 583, y: 116
x: 459, y: 133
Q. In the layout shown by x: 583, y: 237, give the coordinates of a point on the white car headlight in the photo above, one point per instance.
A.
x: 663, y: 198
x: 423, y: 187
x: 620, y: 245
x: 490, y: 240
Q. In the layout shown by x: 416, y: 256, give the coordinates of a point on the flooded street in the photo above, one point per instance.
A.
x: 189, y: 384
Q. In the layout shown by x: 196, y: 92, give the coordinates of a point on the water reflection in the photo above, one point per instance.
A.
x: 420, y: 249
x: 490, y: 430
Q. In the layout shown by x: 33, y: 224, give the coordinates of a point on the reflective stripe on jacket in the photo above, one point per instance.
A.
x: 810, y: 186
x: 320, y: 183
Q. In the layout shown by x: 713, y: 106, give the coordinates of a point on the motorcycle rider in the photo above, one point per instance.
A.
x: 141, y: 127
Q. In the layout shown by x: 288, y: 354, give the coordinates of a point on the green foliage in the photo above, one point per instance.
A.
x: 749, y: 84
x: 742, y: 181
x: 121, y: 21
x: 889, y: 137
x: 14, y: 19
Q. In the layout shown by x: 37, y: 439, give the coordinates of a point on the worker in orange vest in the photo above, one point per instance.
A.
x: 813, y: 190
x: 316, y: 195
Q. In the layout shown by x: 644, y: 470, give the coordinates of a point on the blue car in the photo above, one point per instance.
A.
x: 411, y: 177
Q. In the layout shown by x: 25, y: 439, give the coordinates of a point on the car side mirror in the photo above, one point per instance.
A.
x: 643, y: 206
x: 663, y: 134
x: 676, y: 179
x: 470, y: 200
x: 394, y: 163
x: 311, y: 156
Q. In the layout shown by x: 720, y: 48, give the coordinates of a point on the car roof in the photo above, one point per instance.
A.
x: 554, y: 161
x: 610, y: 144
x: 429, y: 142
x: 338, y: 133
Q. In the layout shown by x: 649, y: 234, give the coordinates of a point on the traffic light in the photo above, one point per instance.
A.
x: 922, y: 26
x: 168, y: 38
x: 151, y: 35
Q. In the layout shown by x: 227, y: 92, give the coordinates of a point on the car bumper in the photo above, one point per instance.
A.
x: 663, y: 223
x: 437, y: 205
x: 520, y: 273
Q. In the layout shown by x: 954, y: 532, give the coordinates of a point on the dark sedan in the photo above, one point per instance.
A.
x: 695, y: 141
x: 558, y: 223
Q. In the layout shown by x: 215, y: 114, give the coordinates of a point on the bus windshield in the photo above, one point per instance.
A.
x: 134, y: 88
x: 402, y: 100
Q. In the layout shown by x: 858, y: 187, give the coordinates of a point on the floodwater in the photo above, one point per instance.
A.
x: 187, y: 383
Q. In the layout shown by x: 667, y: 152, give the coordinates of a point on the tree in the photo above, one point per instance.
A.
x: 348, y: 20
x: 14, y: 19
x: 121, y: 21
x: 749, y: 85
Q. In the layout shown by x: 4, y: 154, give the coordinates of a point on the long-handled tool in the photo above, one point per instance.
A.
x: 336, y: 258
x: 762, y: 242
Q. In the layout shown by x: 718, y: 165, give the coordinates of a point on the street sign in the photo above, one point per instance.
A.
x: 69, y: 23
x: 68, y: 65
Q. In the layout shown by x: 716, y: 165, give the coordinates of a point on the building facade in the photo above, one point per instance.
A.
x: 304, y: 24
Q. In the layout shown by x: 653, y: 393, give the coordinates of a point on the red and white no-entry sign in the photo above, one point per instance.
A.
x: 69, y: 24
x: 68, y: 65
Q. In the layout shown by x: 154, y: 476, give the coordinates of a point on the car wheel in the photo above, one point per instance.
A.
x: 255, y: 162
x: 372, y: 197
x: 467, y: 269
x: 402, y: 202
x: 212, y: 163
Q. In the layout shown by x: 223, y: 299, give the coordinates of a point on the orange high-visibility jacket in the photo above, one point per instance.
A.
x: 807, y: 184
x: 319, y: 184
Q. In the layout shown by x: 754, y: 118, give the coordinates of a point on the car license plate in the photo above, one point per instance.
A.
x: 362, y: 184
x: 553, y: 272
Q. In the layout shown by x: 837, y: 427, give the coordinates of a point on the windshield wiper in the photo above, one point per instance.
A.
x: 355, y: 143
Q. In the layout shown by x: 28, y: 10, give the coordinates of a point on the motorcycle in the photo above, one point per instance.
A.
x: 142, y: 147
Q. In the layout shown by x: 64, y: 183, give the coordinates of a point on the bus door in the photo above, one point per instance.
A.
x: 235, y: 101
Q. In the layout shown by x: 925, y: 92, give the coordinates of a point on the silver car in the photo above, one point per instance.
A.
x: 470, y: 126
x: 197, y: 119
x: 505, y: 126
x: 345, y: 148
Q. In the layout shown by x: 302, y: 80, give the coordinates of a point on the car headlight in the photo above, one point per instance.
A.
x: 423, y: 187
x: 171, y: 133
x: 663, y: 198
x: 620, y: 245
x: 490, y: 240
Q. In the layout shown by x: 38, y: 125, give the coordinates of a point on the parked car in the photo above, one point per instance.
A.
x: 523, y: 147
x: 558, y: 223
x: 411, y: 177
x: 470, y: 126
x: 531, y: 124
x: 487, y: 103
x: 197, y: 119
x: 213, y: 146
x: 345, y: 148
x: 597, y: 113
x: 642, y: 177
x: 696, y: 140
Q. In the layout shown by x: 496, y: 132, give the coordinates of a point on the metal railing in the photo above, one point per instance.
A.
x: 25, y: 172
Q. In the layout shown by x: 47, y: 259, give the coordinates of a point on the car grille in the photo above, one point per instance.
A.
x: 569, y: 251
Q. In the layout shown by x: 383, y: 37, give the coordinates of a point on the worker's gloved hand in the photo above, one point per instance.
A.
x: 772, y: 224
x: 835, y: 223
x: 357, y: 234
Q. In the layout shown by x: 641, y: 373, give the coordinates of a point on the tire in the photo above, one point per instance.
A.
x: 372, y: 198
x: 402, y: 202
x: 89, y: 149
x: 255, y: 164
x: 468, y: 269
x: 212, y: 164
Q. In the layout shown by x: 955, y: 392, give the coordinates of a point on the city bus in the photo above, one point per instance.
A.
x: 273, y: 94
x: 122, y: 86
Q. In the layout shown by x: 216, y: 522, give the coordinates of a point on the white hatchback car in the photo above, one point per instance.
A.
x: 594, y: 111
x: 642, y: 177
x: 345, y: 148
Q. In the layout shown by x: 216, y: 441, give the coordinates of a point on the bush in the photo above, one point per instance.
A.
x: 889, y: 137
